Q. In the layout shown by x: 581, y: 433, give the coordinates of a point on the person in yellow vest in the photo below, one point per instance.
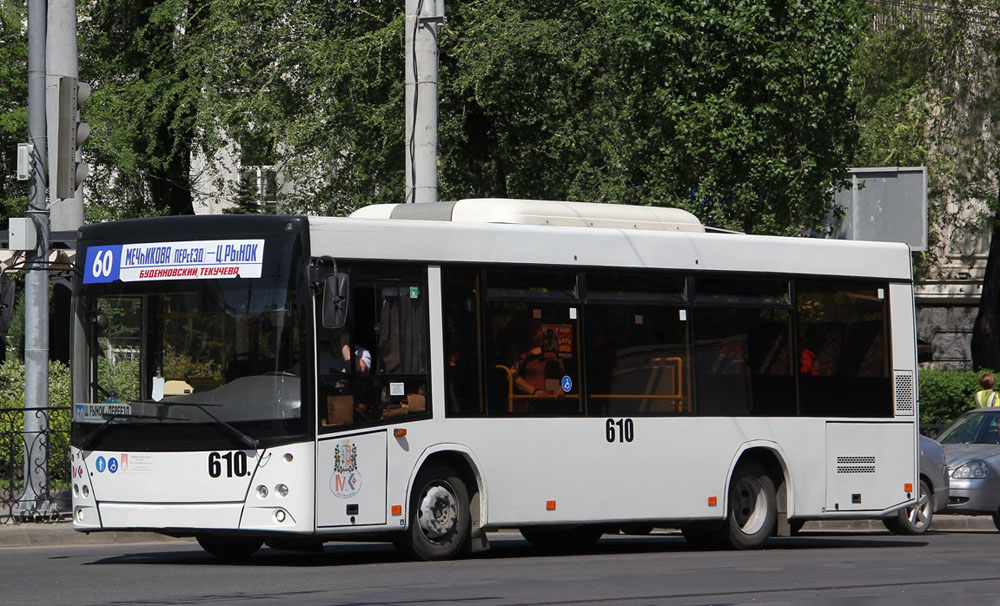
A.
x: 986, y: 397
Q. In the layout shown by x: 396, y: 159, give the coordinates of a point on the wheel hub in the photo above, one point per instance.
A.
x: 438, y: 512
x: 749, y: 505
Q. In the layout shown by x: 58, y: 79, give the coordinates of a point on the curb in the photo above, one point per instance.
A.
x: 62, y: 533
x: 940, y: 523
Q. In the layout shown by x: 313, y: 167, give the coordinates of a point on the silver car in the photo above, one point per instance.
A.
x: 934, y: 492
x: 972, y: 451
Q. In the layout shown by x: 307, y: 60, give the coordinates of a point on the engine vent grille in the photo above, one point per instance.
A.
x: 855, y: 464
x: 904, y: 394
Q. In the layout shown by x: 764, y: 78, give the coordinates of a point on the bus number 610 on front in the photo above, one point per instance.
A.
x: 236, y: 464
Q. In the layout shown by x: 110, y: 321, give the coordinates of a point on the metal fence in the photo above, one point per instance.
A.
x: 38, y: 491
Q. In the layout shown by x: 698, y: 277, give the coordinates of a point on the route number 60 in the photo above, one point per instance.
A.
x: 104, y: 262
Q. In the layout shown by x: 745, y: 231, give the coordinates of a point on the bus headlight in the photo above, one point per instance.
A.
x: 973, y: 470
x: 282, y: 490
x: 262, y: 491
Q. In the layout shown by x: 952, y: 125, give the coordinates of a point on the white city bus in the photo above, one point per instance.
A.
x: 424, y: 374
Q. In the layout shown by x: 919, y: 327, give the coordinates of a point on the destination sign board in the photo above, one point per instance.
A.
x: 190, y: 260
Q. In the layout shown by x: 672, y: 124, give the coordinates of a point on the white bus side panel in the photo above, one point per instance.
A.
x: 868, y: 465
x: 351, y: 480
x: 669, y: 471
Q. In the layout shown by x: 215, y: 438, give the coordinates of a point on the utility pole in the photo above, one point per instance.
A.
x: 54, y: 96
x: 422, y: 20
x: 34, y: 501
x: 65, y: 195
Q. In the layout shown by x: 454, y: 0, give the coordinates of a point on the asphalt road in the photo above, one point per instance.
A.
x: 816, y: 567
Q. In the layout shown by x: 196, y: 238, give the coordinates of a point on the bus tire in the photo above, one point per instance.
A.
x: 562, y: 539
x: 753, y: 510
x: 230, y: 547
x: 916, y: 519
x: 439, y: 516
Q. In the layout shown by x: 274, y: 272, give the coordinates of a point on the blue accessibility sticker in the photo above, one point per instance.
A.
x: 567, y: 384
x: 112, y: 464
x: 101, y: 464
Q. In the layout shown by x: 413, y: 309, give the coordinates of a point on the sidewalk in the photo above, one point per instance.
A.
x: 62, y: 533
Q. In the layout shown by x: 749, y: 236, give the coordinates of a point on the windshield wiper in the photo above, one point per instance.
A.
x: 95, y: 433
x: 233, y: 431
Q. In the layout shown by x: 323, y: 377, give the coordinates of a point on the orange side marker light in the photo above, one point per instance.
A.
x: 713, y: 501
x: 550, y: 505
x: 908, y: 487
x: 399, y: 432
x: 397, y: 510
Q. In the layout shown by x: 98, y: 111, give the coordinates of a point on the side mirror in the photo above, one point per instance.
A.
x: 335, y: 297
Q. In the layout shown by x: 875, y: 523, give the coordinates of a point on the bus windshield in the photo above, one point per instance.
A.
x: 222, y: 354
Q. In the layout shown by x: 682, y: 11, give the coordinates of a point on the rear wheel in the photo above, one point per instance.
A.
x: 439, y: 515
x: 916, y: 519
x: 753, y: 508
x: 562, y: 539
x: 230, y: 547
x: 996, y: 520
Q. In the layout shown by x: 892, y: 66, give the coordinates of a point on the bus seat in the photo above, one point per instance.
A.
x: 339, y: 410
x: 416, y: 403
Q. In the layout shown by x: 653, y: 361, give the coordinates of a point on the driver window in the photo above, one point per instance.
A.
x: 375, y: 369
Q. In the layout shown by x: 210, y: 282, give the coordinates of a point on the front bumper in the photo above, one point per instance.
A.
x: 974, y: 496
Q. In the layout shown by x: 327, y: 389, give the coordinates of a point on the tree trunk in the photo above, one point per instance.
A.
x: 986, y: 330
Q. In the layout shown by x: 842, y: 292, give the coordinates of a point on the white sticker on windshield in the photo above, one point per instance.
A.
x: 158, y: 388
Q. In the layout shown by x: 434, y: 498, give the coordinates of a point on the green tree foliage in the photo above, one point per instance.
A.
x: 142, y: 111
x: 12, y: 397
x: 734, y: 110
x: 946, y: 394
x: 737, y: 111
x: 13, y: 106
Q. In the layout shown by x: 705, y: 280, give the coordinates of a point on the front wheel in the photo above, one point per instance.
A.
x: 439, y: 516
x: 916, y: 519
x: 753, y: 508
x: 230, y: 547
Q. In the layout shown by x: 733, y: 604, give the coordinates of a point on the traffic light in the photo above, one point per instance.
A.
x: 72, y: 132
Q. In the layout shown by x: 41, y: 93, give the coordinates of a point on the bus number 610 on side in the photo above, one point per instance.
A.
x: 619, y: 430
x: 236, y: 464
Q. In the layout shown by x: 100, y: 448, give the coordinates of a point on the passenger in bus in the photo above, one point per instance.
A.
x: 336, y: 356
x: 537, y: 372
x: 809, y: 350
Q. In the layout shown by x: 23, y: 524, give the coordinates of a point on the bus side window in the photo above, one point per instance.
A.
x: 462, y: 341
x: 843, y: 354
x: 742, y: 340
